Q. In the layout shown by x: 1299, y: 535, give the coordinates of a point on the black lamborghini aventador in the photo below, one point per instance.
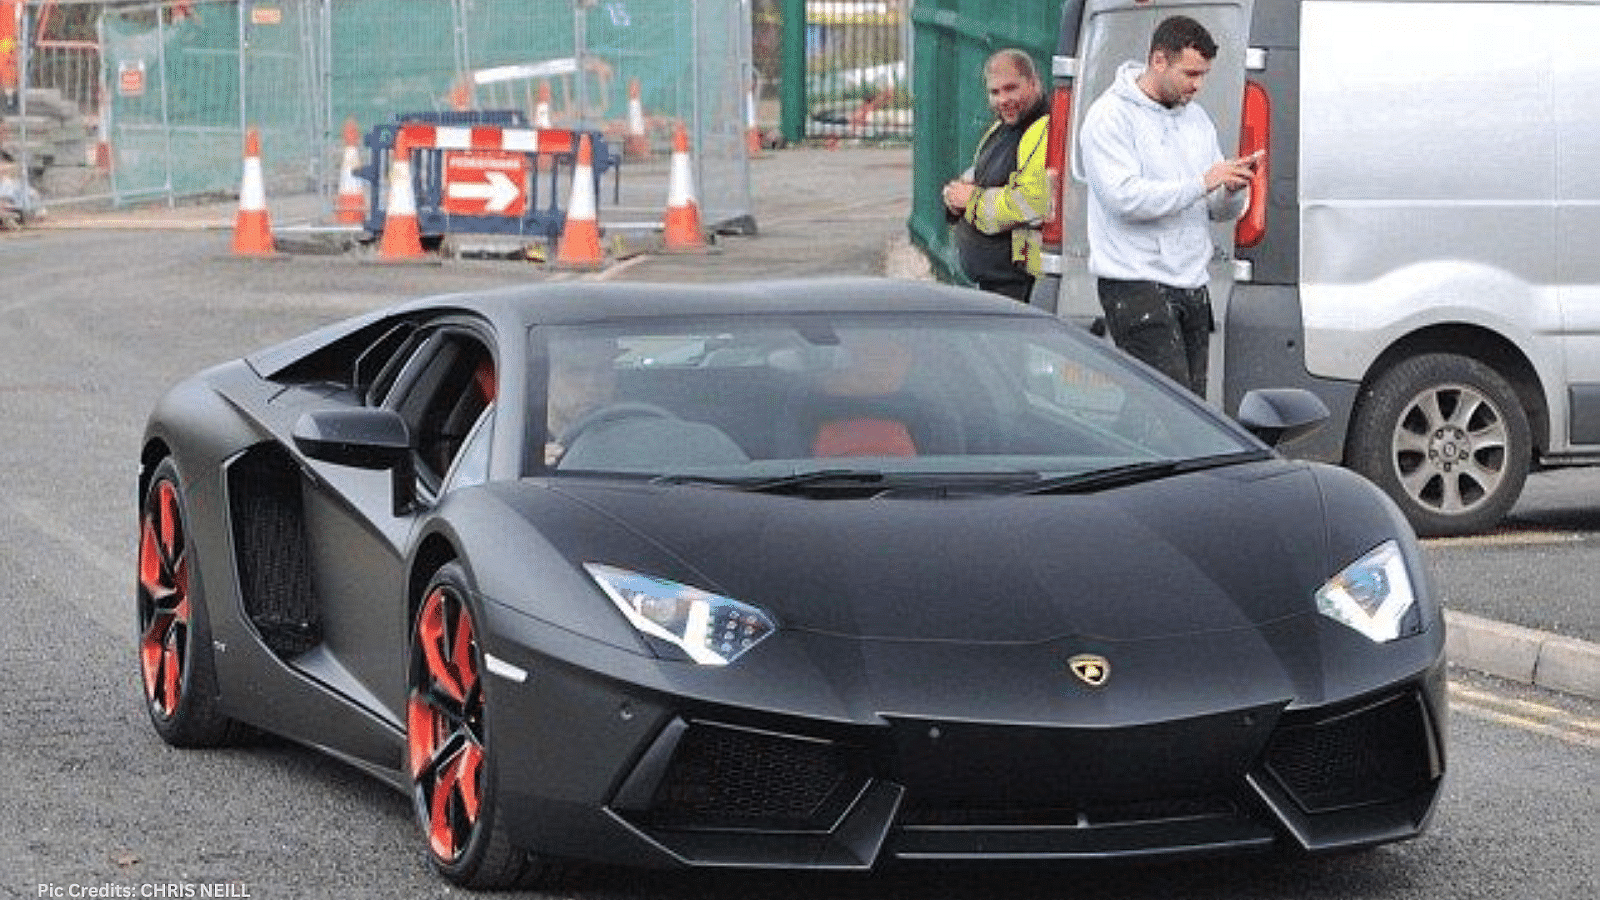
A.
x: 811, y: 574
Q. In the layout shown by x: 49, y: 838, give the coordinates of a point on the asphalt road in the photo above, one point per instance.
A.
x: 1537, y: 568
x: 93, y: 325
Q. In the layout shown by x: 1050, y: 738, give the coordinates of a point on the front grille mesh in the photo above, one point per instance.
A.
x: 1376, y: 755
x: 729, y: 775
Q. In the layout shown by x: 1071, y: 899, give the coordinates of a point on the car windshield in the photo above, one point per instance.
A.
x: 857, y: 400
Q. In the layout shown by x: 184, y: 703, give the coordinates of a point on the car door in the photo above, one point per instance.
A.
x: 441, y: 383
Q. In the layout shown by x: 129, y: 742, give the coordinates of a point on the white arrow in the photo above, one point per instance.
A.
x: 498, y: 193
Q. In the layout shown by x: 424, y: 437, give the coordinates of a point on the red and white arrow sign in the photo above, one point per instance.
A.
x: 497, y: 192
x: 484, y: 182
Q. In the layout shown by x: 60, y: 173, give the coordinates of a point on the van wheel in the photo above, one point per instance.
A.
x: 1445, y: 436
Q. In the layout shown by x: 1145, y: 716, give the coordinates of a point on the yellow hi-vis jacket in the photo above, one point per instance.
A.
x: 1020, y: 205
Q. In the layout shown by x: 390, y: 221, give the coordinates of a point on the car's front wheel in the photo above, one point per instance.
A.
x: 175, y: 664
x: 450, y: 756
x: 1445, y: 436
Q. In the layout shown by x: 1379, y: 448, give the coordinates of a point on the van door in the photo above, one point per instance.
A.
x: 1115, y: 31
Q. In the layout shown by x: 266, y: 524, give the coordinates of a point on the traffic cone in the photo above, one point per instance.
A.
x: 252, y: 228
x: 461, y: 94
x: 350, y: 207
x: 102, y: 144
x: 752, y: 130
x: 541, y: 108
x: 580, y: 236
x: 541, y: 119
x: 401, y: 240
x: 681, y: 232
x: 637, y: 144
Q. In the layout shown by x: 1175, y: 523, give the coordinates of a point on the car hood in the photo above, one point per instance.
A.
x: 1209, y: 551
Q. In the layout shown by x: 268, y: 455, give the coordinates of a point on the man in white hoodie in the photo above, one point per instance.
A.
x: 1157, y: 179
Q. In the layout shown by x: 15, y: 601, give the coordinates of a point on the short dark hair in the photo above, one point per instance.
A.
x: 1177, y: 33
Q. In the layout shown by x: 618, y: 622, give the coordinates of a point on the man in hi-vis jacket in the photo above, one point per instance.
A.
x: 999, y: 203
x: 1157, y: 180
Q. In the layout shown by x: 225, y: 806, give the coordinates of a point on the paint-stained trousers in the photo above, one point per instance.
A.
x: 1168, y: 328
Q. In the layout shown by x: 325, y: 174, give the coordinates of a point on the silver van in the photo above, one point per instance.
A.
x: 1422, y: 249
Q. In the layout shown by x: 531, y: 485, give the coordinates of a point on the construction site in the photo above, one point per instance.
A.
x: 514, y: 115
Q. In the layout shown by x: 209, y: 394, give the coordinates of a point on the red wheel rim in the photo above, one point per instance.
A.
x: 163, y: 599
x: 444, y: 724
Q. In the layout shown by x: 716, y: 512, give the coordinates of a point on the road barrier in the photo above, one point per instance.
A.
x: 479, y: 172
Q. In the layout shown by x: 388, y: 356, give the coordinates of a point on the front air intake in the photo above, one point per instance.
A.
x: 1377, y: 753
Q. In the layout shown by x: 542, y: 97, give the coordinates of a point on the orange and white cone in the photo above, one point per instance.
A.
x: 637, y: 144
x: 752, y: 129
x: 541, y: 119
x: 252, y: 228
x: 580, y: 236
x: 541, y: 107
x: 461, y: 94
x: 350, y: 206
x: 102, y: 144
x: 681, y: 231
x: 401, y: 240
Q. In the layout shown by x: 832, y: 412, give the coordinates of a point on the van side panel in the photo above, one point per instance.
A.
x: 1429, y: 177
x: 1578, y: 214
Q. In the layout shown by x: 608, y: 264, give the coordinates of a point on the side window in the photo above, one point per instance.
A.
x: 445, y: 388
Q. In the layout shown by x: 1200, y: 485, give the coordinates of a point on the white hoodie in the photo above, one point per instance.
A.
x: 1146, y: 166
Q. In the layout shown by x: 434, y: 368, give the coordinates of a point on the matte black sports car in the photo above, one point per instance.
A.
x: 813, y: 574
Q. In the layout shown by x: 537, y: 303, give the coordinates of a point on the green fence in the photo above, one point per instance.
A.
x: 952, y: 39
x: 186, y: 79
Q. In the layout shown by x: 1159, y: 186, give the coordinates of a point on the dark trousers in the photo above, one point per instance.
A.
x: 1016, y: 290
x: 1166, y: 327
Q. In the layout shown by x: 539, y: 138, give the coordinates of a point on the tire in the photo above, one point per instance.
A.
x: 175, y: 662
x: 449, y: 755
x: 1446, y: 437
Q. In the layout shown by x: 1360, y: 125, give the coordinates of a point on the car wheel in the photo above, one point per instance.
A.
x: 1445, y: 436
x: 449, y: 753
x: 175, y: 664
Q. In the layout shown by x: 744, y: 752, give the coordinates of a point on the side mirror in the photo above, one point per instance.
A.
x: 1277, y: 415
x: 363, y: 438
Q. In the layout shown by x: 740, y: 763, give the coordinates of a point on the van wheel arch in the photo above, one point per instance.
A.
x: 1483, y: 345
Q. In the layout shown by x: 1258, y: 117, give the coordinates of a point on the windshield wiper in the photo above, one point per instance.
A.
x: 1135, y: 473
x: 782, y: 483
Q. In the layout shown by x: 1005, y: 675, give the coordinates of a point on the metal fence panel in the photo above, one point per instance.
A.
x: 177, y: 83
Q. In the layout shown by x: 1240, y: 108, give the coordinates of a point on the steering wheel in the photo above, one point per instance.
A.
x: 611, y: 412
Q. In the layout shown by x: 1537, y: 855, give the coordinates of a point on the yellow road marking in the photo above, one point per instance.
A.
x: 1526, y: 715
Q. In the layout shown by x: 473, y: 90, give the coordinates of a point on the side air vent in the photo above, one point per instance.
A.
x: 264, y: 505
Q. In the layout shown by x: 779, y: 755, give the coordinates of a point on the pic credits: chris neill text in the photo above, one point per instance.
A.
x: 164, y: 889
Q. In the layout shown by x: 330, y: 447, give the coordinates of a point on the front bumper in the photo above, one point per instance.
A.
x: 692, y: 784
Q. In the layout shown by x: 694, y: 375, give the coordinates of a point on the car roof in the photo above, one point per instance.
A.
x: 516, y: 308
x: 572, y: 302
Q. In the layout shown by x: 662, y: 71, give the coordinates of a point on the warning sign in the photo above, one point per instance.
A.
x: 485, y: 182
x: 130, y: 78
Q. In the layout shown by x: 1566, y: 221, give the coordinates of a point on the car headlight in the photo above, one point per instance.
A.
x: 714, y: 630
x: 1373, y: 595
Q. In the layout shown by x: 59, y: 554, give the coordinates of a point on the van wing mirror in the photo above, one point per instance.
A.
x: 1278, y: 415
x: 363, y: 438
